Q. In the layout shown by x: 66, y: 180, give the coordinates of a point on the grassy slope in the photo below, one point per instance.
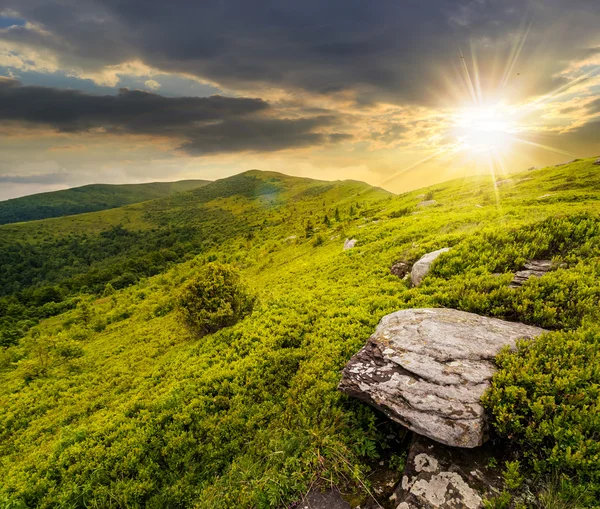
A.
x: 131, y: 411
x: 88, y: 198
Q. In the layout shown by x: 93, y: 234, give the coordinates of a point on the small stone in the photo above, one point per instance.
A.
x: 328, y: 499
x: 423, y: 265
x: 400, y: 269
x: 349, y: 244
x: 533, y: 268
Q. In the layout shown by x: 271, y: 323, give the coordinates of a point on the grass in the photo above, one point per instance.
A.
x: 115, y: 404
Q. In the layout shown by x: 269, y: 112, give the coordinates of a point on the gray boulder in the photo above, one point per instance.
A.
x: 427, y: 203
x: 422, y: 267
x: 597, y: 162
x: 349, y: 244
x: 428, y: 368
x: 441, y: 477
x: 533, y: 268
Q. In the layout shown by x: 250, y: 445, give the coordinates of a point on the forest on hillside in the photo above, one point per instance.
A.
x: 90, y: 198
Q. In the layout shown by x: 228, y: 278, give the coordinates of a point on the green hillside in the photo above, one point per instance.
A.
x: 107, y: 400
x: 90, y: 198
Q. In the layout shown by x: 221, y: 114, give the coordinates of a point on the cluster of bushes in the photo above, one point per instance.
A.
x: 545, y: 399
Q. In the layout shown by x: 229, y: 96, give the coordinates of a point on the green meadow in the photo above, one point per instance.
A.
x: 107, y: 399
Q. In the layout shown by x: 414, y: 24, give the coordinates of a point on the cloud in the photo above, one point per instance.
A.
x: 268, y: 134
x: 152, y: 84
x: 382, y: 51
x: 203, y: 124
x: 594, y: 107
x: 41, y: 178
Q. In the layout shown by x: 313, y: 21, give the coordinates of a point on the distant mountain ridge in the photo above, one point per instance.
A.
x: 89, y: 198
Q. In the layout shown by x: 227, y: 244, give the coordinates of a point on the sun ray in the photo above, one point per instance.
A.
x: 560, y: 90
x: 514, y: 55
x: 418, y: 163
x: 469, y: 81
x: 546, y: 147
x: 476, y: 74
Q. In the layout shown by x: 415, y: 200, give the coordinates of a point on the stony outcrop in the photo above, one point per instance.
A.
x: 597, y: 162
x: 427, y: 203
x: 349, y: 244
x: 533, y: 268
x: 400, y: 269
x: 428, y: 368
x: 422, y: 267
x: 441, y: 477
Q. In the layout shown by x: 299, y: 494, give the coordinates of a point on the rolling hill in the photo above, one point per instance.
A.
x: 90, y: 198
x: 107, y: 400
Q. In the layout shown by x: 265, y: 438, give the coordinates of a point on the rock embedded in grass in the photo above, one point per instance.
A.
x: 428, y: 368
x: 446, y: 477
x: 422, y: 267
x: 400, y: 269
x: 533, y: 268
x: 349, y: 244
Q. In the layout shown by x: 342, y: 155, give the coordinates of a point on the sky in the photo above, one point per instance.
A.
x: 399, y: 94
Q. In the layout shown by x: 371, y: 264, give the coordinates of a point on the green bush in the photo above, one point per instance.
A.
x: 213, y: 300
x: 546, y: 399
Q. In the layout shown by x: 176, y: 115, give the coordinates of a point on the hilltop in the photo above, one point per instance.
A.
x: 90, y: 198
x: 47, y: 262
x: 107, y: 400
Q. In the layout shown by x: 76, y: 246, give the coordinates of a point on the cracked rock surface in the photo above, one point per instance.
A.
x: 533, y: 268
x: 428, y: 368
x: 441, y: 477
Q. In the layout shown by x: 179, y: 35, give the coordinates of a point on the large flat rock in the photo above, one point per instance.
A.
x: 428, y: 368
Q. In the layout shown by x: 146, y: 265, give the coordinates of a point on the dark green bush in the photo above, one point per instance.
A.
x: 215, y: 299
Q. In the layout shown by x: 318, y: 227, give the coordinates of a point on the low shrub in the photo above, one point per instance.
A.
x: 546, y: 399
x: 215, y: 299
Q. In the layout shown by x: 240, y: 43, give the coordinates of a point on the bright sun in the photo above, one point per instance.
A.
x: 484, y: 128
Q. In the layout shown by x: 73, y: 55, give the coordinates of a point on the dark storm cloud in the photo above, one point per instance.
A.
x: 203, y: 124
x: 594, y: 106
x: 268, y: 134
x: 129, y: 110
x: 387, y: 49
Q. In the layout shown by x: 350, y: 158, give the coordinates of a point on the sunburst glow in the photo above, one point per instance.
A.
x: 484, y: 128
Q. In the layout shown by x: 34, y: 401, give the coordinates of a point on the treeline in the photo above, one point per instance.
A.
x: 91, y: 198
x: 42, y: 280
